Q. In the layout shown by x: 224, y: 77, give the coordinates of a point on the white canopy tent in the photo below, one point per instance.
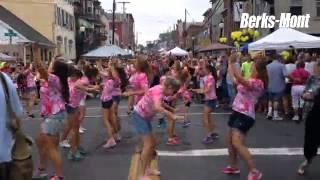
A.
x: 107, y: 51
x: 177, y: 52
x: 283, y: 38
x: 4, y: 57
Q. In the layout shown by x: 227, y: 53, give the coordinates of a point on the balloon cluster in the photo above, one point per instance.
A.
x: 285, y: 55
x: 244, y: 36
x: 223, y: 40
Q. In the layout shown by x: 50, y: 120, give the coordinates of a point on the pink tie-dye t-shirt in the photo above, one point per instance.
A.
x: 146, y: 106
x: 209, y: 82
x: 76, y: 95
x: 139, y: 81
x: 31, y: 83
x: 108, y: 87
x: 50, y: 96
x: 247, y: 97
x: 185, y: 93
x: 85, y: 82
x: 117, y: 87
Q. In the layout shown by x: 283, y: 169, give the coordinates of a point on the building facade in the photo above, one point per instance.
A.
x: 90, y: 30
x: 124, y: 28
x: 52, y: 18
x: 301, y: 7
x: 16, y: 38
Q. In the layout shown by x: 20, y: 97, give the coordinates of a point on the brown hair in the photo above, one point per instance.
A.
x: 173, y: 83
x: 143, y: 66
x: 262, y: 73
x: 185, y: 76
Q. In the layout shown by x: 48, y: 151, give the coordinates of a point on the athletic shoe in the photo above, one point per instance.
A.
x: 56, y: 178
x: 255, y: 175
x: 31, y: 116
x: 82, y: 151
x: 74, y: 156
x: 186, y: 124
x: 153, y: 172
x: 65, y: 144
x: 40, y: 174
x: 277, y: 118
x: 231, y: 170
x: 269, y: 115
x: 82, y: 128
x: 207, y: 140
x: 295, y: 118
x: 303, y: 167
x: 172, y: 142
x: 214, y: 135
x: 144, y: 178
x: 176, y: 138
x: 111, y: 143
x: 81, y: 131
x: 118, y: 137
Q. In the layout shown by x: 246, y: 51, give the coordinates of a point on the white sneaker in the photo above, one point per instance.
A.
x: 277, y: 118
x: 65, y: 144
x: 303, y: 167
x: 269, y: 115
x: 111, y: 143
x: 82, y: 128
x: 81, y: 131
x: 295, y: 118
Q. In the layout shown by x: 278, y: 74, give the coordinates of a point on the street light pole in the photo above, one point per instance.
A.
x: 193, y: 39
x: 113, y: 20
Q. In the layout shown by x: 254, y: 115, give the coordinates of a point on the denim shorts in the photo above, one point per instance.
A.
x: 212, y: 104
x: 30, y: 90
x: 71, y: 110
x: 107, y: 104
x: 275, y: 96
x: 142, y: 126
x: 116, y: 99
x: 54, y: 124
x: 240, y: 122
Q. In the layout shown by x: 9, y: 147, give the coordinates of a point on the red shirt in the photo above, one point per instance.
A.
x: 300, y: 76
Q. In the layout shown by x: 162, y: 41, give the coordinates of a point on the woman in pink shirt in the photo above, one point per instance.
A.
x: 54, y: 94
x: 209, y: 90
x: 243, y: 116
x: 299, y: 78
x: 139, y: 81
x: 144, y: 112
x: 78, y: 90
x: 31, y: 89
x: 108, y: 86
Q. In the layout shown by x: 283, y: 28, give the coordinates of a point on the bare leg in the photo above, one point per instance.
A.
x: 54, y: 154
x: 233, y: 156
x: 238, y: 144
x: 149, y: 143
x: 208, y: 124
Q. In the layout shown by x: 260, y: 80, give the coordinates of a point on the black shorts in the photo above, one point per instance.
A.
x: 240, y: 122
x: 71, y: 110
x: 107, y: 104
x: 116, y: 99
x: 287, y: 91
x: 187, y: 104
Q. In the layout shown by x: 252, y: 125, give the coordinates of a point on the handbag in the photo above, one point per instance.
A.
x: 22, y: 150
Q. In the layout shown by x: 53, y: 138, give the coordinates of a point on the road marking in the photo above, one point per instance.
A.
x: 125, y: 115
x: 224, y: 152
x: 189, y: 114
x: 135, y: 166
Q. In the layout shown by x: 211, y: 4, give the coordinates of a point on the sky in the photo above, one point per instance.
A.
x: 153, y: 17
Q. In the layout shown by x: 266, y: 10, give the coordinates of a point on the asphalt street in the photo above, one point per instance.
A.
x: 203, y: 163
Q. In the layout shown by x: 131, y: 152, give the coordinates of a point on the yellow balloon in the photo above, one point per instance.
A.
x: 251, y: 32
x: 285, y: 55
x: 256, y: 34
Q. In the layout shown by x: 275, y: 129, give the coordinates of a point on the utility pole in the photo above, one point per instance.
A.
x: 124, y: 7
x: 113, y: 20
x: 185, y: 28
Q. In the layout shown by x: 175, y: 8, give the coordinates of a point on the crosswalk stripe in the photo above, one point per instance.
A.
x: 224, y: 152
